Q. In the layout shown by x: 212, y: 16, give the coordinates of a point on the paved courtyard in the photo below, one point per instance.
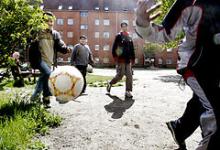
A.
x: 110, y: 122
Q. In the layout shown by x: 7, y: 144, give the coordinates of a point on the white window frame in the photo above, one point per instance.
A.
x: 60, y: 21
x: 83, y: 26
x: 106, y: 47
x: 70, y: 34
x: 106, y: 35
x: 97, y: 22
x: 96, y: 34
x: 70, y: 21
x: 106, y: 22
x: 97, y: 47
x: 105, y: 60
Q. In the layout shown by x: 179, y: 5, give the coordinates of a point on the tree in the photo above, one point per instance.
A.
x: 166, y: 5
x: 19, y: 20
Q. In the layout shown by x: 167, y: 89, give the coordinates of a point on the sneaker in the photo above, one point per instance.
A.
x: 172, y: 127
x: 128, y: 94
x: 35, y: 98
x: 108, y: 88
x: 46, y: 102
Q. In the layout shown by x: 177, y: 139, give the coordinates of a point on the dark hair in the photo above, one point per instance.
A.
x: 124, y: 23
x: 82, y: 37
x: 49, y: 13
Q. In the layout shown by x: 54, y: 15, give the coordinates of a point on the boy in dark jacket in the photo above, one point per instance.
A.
x: 124, y: 56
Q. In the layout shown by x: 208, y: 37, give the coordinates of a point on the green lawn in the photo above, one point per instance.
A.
x: 21, y: 120
x: 100, y: 81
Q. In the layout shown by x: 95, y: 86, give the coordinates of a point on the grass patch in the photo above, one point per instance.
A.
x: 20, y: 120
x: 100, y: 81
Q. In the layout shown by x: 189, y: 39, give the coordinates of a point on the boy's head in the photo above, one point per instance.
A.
x: 16, y: 55
x: 124, y: 26
x: 83, y: 39
x: 49, y: 18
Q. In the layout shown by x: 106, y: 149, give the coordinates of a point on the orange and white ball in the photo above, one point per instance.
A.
x: 66, y: 83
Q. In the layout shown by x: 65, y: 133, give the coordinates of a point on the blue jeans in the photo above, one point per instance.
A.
x: 42, y: 83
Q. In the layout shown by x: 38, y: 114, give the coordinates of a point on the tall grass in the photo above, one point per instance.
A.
x: 20, y: 120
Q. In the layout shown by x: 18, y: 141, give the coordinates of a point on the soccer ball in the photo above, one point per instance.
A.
x: 66, y: 83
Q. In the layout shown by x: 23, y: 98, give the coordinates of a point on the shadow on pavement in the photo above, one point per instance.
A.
x: 118, y: 106
x: 169, y: 78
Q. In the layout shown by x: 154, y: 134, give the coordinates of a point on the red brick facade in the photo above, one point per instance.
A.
x: 166, y: 59
x: 100, y: 26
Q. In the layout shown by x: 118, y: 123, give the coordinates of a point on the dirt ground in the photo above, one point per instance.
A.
x: 110, y: 122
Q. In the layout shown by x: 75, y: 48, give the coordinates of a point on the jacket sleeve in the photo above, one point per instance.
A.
x: 59, y: 44
x: 73, y: 55
x: 157, y: 33
x: 132, y: 52
x: 91, y: 61
x: 115, y: 46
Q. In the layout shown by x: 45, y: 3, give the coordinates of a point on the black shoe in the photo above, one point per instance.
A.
x: 172, y: 127
x: 108, y: 88
x: 46, y: 102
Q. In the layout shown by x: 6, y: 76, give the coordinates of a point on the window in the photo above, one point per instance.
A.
x: 83, y: 26
x: 105, y: 60
x: 106, y: 8
x: 126, y: 21
x: 136, y: 60
x: 70, y: 34
x: 160, y: 61
x: 106, y: 22
x: 70, y: 7
x: 96, y: 34
x: 106, y: 35
x: 96, y: 22
x: 70, y: 21
x: 60, y: 7
x: 96, y: 59
x: 96, y: 47
x: 96, y: 8
x: 84, y: 13
x: 169, y: 61
x: 60, y: 21
x: 69, y: 59
x: 106, y: 47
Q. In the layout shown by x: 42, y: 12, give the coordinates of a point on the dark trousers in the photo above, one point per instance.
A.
x: 190, y: 120
x: 211, y: 86
x: 83, y: 70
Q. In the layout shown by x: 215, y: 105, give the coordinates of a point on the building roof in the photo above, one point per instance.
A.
x: 106, y: 5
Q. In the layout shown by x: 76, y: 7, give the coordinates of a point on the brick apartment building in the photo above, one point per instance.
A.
x: 99, y: 20
x: 167, y: 58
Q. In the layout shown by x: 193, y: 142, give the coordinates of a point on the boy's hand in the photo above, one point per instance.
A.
x: 69, y: 50
x: 143, y: 12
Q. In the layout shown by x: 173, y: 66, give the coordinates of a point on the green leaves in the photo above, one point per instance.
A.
x: 19, y: 19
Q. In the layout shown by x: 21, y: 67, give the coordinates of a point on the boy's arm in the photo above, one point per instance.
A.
x: 155, y: 33
x: 91, y: 61
x: 73, y: 55
x: 59, y: 44
x: 115, y: 46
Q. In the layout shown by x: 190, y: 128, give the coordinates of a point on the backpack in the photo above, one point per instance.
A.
x: 34, y: 54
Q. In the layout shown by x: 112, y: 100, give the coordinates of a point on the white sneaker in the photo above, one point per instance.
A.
x: 128, y: 94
